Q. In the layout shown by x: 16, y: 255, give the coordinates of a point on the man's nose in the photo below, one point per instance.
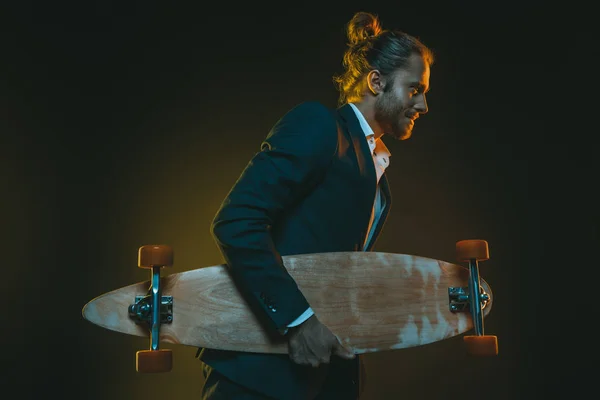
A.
x: 421, y: 105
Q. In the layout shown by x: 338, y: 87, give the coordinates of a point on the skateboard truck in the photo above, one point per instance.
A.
x: 141, y: 310
x: 153, y: 309
x: 459, y: 299
x: 473, y: 297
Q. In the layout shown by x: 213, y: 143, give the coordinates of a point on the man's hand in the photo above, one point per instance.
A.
x: 312, y: 343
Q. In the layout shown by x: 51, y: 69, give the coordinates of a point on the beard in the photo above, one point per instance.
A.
x: 389, y: 114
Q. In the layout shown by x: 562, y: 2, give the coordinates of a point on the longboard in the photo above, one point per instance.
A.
x: 373, y: 301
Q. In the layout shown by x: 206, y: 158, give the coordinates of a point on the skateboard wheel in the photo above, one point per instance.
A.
x: 155, y: 255
x: 484, y: 345
x: 153, y: 361
x: 467, y: 250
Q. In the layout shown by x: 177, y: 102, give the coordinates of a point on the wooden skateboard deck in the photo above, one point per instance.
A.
x: 372, y: 301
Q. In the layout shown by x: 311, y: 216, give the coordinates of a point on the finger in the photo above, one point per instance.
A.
x: 345, y: 353
x: 301, y: 361
x: 320, y: 354
x: 325, y: 359
x: 312, y: 360
x: 343, y: 350
x: 298, y: 357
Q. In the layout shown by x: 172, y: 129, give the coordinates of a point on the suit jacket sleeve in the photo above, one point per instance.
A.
x: 293, y: 157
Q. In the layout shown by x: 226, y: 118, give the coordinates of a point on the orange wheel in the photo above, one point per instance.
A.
x: 153, y: 361
x: 484, y: 345
x: 467, y: 250
x: 155, y: 255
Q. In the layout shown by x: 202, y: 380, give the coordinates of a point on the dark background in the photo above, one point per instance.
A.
x: 126, y: 123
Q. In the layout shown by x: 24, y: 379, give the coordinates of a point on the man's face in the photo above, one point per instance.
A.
x: 403, y: 99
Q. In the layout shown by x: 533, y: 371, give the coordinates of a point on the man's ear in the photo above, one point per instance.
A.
x: 375, y: 82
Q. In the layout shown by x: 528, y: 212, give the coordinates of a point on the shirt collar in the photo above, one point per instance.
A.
x: 368, y: 131
x: 362, y: 121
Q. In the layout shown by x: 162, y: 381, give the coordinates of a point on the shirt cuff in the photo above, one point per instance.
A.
x: 305, y: 315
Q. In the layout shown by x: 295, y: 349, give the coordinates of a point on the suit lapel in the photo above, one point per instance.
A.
x: 365, y: 165
x: 361, y: 147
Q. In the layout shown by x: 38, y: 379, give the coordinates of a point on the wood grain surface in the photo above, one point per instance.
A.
x: 372, y: 301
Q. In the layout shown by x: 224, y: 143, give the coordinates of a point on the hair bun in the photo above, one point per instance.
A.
x: 362, y: 26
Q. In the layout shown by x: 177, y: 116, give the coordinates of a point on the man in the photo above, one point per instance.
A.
x: 316, y: 185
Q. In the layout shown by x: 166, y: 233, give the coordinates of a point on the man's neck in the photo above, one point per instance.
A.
x: 367, y: 109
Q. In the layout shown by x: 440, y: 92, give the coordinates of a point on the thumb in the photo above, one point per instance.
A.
x: 343, y: 350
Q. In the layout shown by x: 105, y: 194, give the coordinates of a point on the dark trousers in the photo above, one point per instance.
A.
x: 218, y: 387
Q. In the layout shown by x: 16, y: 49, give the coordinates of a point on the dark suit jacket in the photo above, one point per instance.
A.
x: 310, y: 189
